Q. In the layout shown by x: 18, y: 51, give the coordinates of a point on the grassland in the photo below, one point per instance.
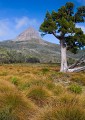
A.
x: 41, y: 92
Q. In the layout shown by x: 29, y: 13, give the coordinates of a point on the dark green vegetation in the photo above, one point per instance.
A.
x: 62, y: 24
x: 41, y: 92
x: 31, y: 51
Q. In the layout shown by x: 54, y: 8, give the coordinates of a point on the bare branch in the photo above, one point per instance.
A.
x: 77, y: 69
x: 78, y: 62
x: 57, y: 36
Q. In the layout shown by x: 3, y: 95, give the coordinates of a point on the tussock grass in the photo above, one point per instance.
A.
x: 64, y: 107
x: 78, y: 78
x: 75, y: 88
x: 13, y: 104
x: 62, y: 113
x: 41, y: 92
x: 39, y: 95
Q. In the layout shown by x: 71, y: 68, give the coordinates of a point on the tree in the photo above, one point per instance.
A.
x: 62, y: 24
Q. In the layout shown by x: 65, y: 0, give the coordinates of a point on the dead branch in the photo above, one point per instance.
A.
x: 76, y: 69
x: 78, y: 62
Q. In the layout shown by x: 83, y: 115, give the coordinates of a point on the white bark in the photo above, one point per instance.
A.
x: 77, y: 69
x: 63, y: 56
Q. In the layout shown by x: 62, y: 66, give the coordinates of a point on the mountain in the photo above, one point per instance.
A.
x: 28, y: 34
x: 30, y: 44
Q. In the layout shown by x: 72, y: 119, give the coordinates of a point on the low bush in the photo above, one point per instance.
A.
x: 14, y: 80
x: 45, y: 70
x: 75, y: 88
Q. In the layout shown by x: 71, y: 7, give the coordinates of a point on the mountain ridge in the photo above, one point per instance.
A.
x: 34, y: 46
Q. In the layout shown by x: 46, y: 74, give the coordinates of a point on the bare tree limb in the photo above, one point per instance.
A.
x: 78, y: 62
x: 77, y: 69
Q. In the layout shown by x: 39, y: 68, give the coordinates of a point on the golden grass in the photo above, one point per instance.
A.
x: 40, y: 92
x: 13, y: 103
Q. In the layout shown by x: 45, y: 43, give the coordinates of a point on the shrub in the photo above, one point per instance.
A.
x: 14, y: 80
x: 32, y: 60
x: 45, y: 70
x: 75, y: 88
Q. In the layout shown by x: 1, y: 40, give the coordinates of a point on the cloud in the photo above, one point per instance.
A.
x: 3, y: 27
x: 10, y: 28
x: 82, y: 27
x: 25, y: 21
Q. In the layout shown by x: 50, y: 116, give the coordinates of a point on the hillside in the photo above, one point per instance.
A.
x: 30, y: 44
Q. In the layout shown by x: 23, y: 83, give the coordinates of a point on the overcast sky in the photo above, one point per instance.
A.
x: 18, y: 15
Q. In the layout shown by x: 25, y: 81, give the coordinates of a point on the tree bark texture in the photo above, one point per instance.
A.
x: 63, y: 56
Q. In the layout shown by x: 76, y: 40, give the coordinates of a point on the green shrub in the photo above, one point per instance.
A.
x: 75, y: 88
x: 14, y: 80
x: 45, y: 70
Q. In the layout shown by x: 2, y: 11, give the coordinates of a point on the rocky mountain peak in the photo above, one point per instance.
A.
x: 28, y: 34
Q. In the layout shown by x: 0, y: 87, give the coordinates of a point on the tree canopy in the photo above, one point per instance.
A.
x: 62, y: 24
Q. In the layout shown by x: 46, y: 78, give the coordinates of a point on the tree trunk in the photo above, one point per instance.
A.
x: 63, y: 56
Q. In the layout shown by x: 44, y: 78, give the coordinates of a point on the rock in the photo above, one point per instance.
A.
x: 28, y: 34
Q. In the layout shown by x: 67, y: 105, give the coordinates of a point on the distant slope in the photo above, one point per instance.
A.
x: 30, y: 44
x: 46, y: 52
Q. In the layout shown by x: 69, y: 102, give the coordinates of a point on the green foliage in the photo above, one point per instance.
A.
x: 45, y: 70
x: 45, y: 55
x: 62, y: 24
x: 32, y: 60
x: 75, y: 88
x: 13, y: 56
x: 80, y: 15
x: 14, y: 80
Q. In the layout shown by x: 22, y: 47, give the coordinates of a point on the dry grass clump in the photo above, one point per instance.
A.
x: 13, y: 104
x: 62, y: 113
x: 41, y: 92
x: 58, y: 90
x: 40, y: 95
x: 66, y: 107
x: 78, y: 78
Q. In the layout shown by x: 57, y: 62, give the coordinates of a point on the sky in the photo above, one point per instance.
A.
x: 18, y: 15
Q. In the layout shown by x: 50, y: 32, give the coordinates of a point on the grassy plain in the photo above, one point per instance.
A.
x: 41, y: 92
